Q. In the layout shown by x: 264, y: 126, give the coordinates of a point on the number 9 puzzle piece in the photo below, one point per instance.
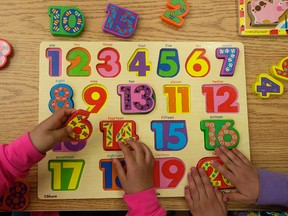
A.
x: 82, y: 128
x: 5, y: 51
x: 17, y: 197
x: 216, y: 178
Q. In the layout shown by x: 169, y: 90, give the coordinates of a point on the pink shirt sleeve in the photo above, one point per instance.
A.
x: 16, y: 159
x: 144, y: 203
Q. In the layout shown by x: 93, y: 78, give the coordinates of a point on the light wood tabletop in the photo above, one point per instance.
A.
x: 25, y: 24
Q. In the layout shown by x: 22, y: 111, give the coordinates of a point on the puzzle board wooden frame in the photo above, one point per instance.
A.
x: 191, y: 82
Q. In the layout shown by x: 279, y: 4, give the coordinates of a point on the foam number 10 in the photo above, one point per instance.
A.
x: 197, y: 65
x: 136, y: 98
x: 219, y: 132
x: 168, y: 172
x: 115, y: 131
x: 216, y: 178
x: 66, y: 21
x: 66, y: 174
x: 221, y: 98
x: 178, y: 98
x: 169, y: 135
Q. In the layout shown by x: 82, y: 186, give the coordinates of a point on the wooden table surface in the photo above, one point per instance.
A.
x: 25, y: 24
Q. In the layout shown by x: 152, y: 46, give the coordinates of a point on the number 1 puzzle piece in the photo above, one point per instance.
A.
x: 266, y: 85
x: 281, y: 70
x: 17, y: 197
x: 5, y: 51
x: 82, y: 128
x: 175, y: 16
x: 120, y: 21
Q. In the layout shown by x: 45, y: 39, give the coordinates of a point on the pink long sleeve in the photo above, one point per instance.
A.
x: 16, y: 159
x: 144, y: 204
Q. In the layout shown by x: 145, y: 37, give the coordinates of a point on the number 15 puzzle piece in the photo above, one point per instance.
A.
x: 82, y: 128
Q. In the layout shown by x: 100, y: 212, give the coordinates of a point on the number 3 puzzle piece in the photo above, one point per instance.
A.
x: 5, y: 51
x: 82, y: 128
x: 17, y: 197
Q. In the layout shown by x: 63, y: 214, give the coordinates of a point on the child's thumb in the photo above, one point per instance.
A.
x: 61, y: 134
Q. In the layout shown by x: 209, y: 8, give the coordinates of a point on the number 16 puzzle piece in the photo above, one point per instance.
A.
x: 82, y: 128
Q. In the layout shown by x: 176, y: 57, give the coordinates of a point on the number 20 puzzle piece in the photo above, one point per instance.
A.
x: 5, y: 51
x: 82, y: 128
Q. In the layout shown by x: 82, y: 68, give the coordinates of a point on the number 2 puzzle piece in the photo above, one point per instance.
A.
x: 82, y: 128
x: 216, y: 178
x: 266, y: 85
x: 175, y: 16
x: 66, y: 20
x: 281, y: 70
x: 17, y: 197
x: 5, y: 51
x: 120, y: 21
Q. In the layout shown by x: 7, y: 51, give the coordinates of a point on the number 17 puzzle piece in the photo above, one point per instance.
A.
x: 5, y: 51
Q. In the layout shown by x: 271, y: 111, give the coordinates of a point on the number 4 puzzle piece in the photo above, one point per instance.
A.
x: 81, y: 127
x: 175, y: 16
x: 266, y: 85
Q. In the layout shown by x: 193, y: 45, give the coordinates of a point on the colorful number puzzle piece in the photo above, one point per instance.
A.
x: 266, y: 85
x: 66, y: 20
x: 82, y: 128
x: 175, y: 16
x: 17, y: 197
x: 61, y: 96
x: 216, y: 178
x: 266, y: 12
x: 281, y: 70
x: 120, y: 21
x: 219, y: 132
x: 5, y: 51
x: 230, y: 56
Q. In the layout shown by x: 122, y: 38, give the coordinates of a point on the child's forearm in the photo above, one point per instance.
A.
x: 273, y: 188
x: 144, y: 203
x: 16, y: 159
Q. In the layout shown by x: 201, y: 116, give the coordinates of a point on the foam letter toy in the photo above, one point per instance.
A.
x: 175, y: 16
x: 120, y: 21
x: 266, y: 85
x: 82, y: 128
x: 281, y: 70
x: 66, y: 20
x: 5, y: 51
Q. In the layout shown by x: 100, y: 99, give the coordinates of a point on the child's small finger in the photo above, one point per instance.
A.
x: 219, y: 196
x: 199, y: 183
x: 222, y: 152
x: 223, y: 170
x: 206, y: 182
x: 192, y: 187
x: 188, y: 197
x: 120, y: 170
x: 241, y: 156
x: 128, y: 155
x: 138, y: 148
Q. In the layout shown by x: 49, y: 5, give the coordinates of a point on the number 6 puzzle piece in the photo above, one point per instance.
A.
x: 82, y: 128
x: 17, y: 197
x: 5, y: 51
x: 216, y: 178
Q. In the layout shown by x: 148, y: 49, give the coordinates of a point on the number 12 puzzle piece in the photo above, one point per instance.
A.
x: 175, y: 16
x: 17, y: 197
x: 5, y: 51
x: 82, y: 128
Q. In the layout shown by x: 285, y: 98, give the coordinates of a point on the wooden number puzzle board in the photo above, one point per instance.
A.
x: 180, y: 98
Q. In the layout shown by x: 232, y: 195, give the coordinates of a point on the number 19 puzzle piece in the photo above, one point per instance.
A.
x: 82, y: 128
x: 5, y: 51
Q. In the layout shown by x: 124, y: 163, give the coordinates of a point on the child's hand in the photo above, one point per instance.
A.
x: 140, y: 163
x: 52, y: 130
x: 202, y: 198
x: 241, y: 173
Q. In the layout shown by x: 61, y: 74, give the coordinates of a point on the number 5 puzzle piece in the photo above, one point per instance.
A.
x: 5, y: 51
x: 82, y: 128
x: 216, y: 178
x: 266, y: 85
x: 175, y: 16
x: 17, y: 197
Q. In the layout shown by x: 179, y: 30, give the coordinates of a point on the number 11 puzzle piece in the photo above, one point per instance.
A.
x: 175, y: 16
x: 5, y: 51
x: 82, y: 128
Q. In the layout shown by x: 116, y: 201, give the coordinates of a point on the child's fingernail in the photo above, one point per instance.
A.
x: 69, y: 129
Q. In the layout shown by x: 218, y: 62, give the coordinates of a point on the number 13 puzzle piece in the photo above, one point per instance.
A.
x: 82, y: 128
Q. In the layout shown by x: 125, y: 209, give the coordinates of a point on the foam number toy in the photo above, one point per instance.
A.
x: 230, y: 56
x: 5, y: 51
x: 61, y: 96
x: 16, y: 199
x: 82, y: 128
x: 66, y: 20
x: 179, y: 9
x: 120, y: 21
x: 281, y: 70
x: 216, y: 178
x: 266, y: 85
x: 219, y: 132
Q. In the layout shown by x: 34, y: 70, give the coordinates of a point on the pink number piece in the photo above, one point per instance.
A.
x: 112, y: 66
x: 5, y: 51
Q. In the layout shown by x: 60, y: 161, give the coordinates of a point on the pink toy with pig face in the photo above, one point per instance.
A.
x: 265, y: 12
